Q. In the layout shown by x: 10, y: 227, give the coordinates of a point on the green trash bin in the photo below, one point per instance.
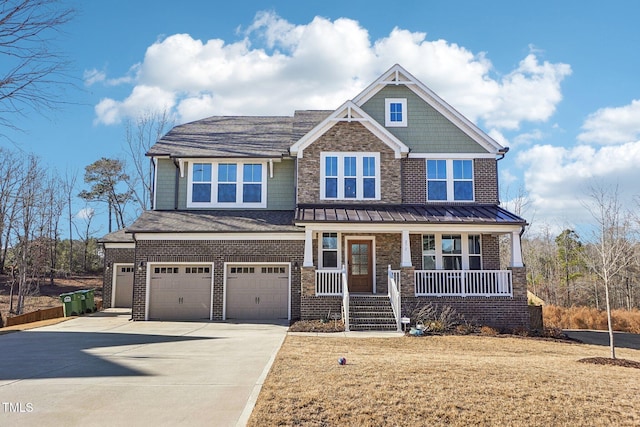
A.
x: 82, y: 298
x: 71, y: 304
x: 90, y: 304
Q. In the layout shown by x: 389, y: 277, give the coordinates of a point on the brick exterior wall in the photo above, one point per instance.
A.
x: 490, y: 252
x: 113, y: 256
x: 218, y: 252
x: 343, y: 137
x: 414, y: 181
x: 485, y: 173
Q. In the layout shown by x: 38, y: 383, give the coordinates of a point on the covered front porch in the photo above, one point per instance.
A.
x: 408, y: 262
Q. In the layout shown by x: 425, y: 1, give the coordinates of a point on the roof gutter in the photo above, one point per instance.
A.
x: 502, y: 153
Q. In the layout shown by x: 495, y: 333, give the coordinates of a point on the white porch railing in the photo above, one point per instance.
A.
x: 345, y: 299
x: 463, y: 283
x: 329, y: 282
x: 394, y: 296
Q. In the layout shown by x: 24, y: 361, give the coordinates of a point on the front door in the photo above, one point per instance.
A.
x: 360, y: 266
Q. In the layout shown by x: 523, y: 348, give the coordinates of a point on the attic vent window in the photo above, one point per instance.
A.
x: 395, y: 112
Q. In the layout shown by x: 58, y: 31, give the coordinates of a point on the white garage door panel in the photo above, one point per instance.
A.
x: 180, y: 292
x: 257, y: 292
x: 123, y: 292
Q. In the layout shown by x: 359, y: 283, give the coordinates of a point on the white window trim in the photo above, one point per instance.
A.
x: 239, y: 183
x: 450, y: 181
x: 387, y: 112
x: 465, y: 248
x: 321, y: 251
x: 359, y: 175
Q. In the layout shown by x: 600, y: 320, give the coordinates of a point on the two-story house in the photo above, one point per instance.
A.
x: 391, y: 200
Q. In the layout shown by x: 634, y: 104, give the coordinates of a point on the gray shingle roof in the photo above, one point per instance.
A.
x: 205, y: 221
x: 119, y: 236
x: 427, y: 214
x: 237, y: 136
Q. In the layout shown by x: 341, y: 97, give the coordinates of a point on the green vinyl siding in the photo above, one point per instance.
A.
x: 427, y: 130
x: 165, y: 184
x: 281, y: 188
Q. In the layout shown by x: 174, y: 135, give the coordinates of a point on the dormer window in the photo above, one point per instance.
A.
x: 395, y: 112
x: 227, y: 185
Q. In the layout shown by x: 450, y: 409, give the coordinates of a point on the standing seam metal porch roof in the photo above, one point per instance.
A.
x: 417, y: 214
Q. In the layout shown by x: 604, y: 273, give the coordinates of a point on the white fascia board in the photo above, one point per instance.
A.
x: 356, y: 114
x: 412, y: 228
x: 119, y: 245
x: 431, y: 98
x: 220, y: 236
x: 229, y: 159
x: 413, y: 155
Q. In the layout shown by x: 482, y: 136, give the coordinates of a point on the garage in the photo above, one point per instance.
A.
x: 257, y: 292
x: 180, y: 292
x: 122, y: 289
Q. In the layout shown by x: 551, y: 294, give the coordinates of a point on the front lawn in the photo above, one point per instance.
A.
x: 446, y: 380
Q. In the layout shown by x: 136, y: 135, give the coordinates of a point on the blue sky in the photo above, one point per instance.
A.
x: 555, y: 81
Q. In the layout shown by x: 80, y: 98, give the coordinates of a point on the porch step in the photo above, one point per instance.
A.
x: 371, y: 313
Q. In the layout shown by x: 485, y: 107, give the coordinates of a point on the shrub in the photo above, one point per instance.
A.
x: 488, y: 331
x: 436, y: 320
x: 590, y: 318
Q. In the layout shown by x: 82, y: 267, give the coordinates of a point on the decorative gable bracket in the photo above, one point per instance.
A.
x: 350, y: 112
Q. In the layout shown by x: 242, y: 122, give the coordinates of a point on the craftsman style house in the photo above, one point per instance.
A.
x: 366, y: 211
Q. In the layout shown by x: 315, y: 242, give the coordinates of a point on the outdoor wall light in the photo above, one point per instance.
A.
x: 141, y: 266
x: 296, y: 266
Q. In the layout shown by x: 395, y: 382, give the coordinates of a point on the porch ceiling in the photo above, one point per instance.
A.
x: 407, y: 214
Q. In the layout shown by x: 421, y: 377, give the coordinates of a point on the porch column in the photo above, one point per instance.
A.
x: 406, y: 250
x: 308, y: 248
x: 516, y: 250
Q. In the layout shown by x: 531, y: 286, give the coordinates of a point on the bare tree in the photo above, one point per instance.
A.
x: 69, y: 189
x: 611, y: 242
x: 141, y: 134
x: 31, y: 71
x: 10, y: 165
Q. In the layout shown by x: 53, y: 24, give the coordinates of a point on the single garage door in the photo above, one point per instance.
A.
x: 123, y: 286
x: 180, y: 292
x: 257, y: 292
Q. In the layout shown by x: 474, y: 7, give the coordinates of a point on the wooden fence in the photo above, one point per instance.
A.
x: 34, y: 316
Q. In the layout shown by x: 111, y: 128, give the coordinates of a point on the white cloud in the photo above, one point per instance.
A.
x: 93, y: 76
x: 85, y: 213
x: 612, y: 125
x: 557, y: 178
x: 278, y: 67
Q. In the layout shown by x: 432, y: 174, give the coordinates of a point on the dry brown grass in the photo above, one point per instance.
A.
x: 445, y: 380
x: 590, y: 318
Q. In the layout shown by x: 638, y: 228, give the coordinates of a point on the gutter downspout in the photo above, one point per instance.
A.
x: 175, y: 191
x: 135, y: 271
x: 502, y: 153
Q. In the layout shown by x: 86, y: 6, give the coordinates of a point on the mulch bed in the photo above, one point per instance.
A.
x: 613, y: 362
x: 317, y: 326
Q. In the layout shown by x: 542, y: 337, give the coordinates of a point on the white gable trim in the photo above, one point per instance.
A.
x: 350, y: 112
x: 397, y: 75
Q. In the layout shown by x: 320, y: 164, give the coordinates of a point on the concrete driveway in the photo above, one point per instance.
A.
x: 106, y: 370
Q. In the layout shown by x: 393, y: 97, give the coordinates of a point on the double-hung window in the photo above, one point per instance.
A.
x: 226, y: 185
x: 395, y: 112
x: 450, y: 252
x: 450, y: 180
x: 329, y: 250
x: 350, y: 176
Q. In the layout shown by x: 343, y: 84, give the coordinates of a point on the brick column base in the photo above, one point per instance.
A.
x: 308, y: 281
x: 407, y: 285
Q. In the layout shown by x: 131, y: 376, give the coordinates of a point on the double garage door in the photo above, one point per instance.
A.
x: 184, y: 292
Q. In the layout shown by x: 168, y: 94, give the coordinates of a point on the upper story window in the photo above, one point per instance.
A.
x: 350, y: 176
x: 395, y: 113
x: 225, y: 184
x: 450, y: 180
